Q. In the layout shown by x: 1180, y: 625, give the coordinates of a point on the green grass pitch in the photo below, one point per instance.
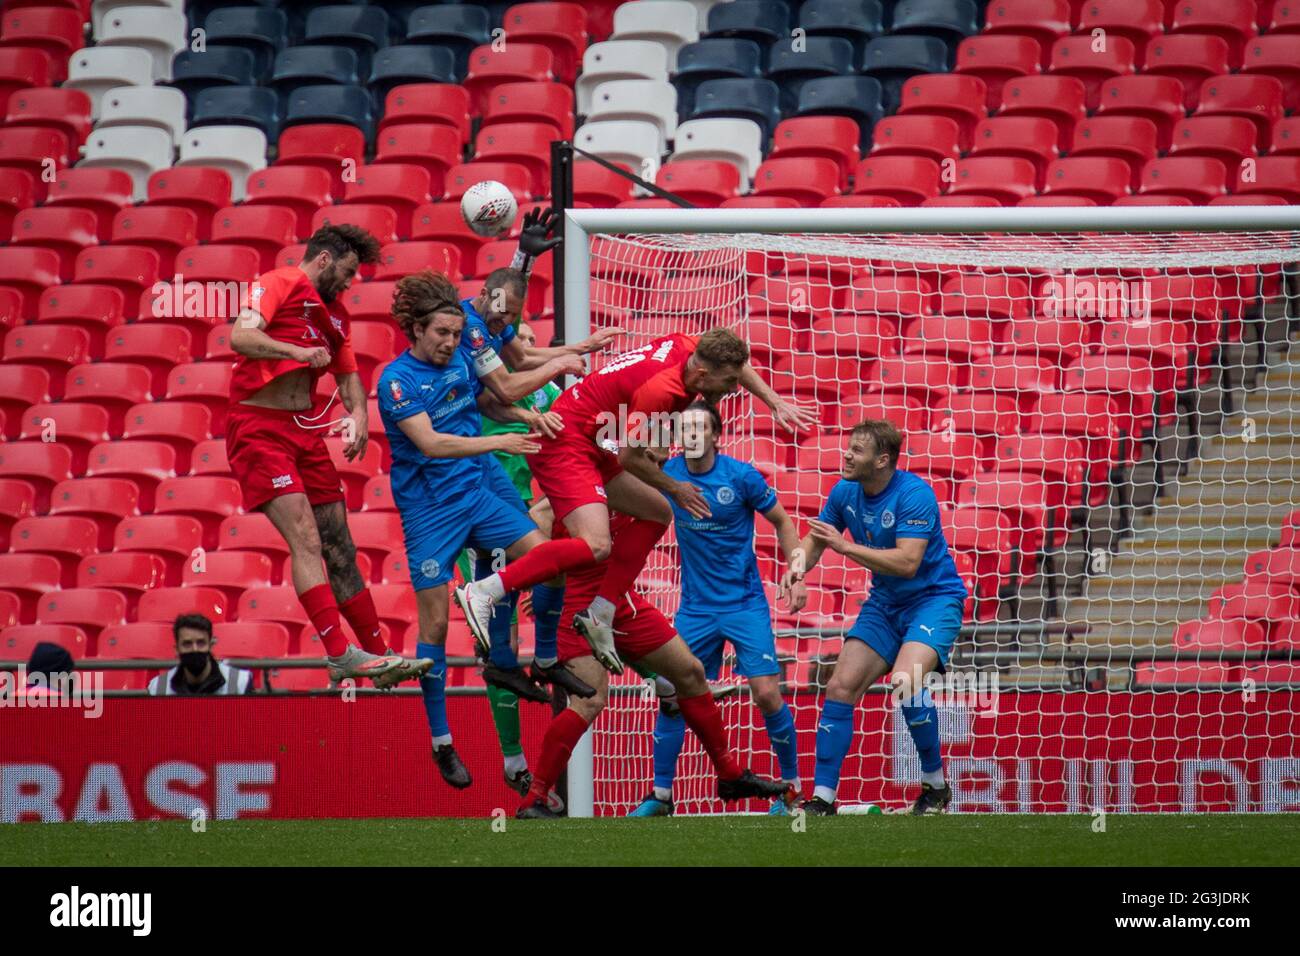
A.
x: 890, y: 840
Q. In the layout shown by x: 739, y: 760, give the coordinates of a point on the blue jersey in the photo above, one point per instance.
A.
x: 907, y: 508
x: 718, y: 564
x: 482, y: 349
x: 448, y: 395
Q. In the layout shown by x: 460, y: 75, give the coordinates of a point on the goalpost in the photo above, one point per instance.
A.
x: 1103, y: 401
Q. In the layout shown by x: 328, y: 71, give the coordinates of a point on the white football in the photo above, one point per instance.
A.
x: 489, y: 208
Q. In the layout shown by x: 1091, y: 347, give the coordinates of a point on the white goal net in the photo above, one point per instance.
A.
x: 1107, y: 411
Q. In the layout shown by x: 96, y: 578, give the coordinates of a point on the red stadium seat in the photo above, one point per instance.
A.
x: 17, y: 501
x: 528, y: 144
x: 1229, y: 139
x: 205, y: 382
x: 962, y: 98
x: 374, y: 533
x: 1135, y: 20
x: 1075, y: 56
x: 17, y: 643
x: 1018, y: 376
x: 855, y: 335
x: 1279, y: 566
x: 370, y: 301
x: 395, y: 604
x: 33, y: 149
x: 133, y: 270
x: 324, y: 145
x: 114, y: 385
x: 985, y: 536
x: 1088, y: 417
x: 42, y: 464
x: 997, y: 58
x: 230, y: 572
x: 59, y: 108
x: 927, y: 382
x: 1272, y: 175
x: 1025, y: 503
x: 514, y: 176
x: 1043, y: 20
x: 1129, y: 138
x: 65, y: 230
x: 1257, y: 98
x: 165, y: 229
x: 265, y: 228
x: 1097, y: 178
x: 77, y: 425
x: 91, y: 609
x: 57, y: 30
x: 251, y: 640
x: 997, y: 297
x: 1157, y: 98
x: 909, y: 179
x: 28, y: 577
x: 429, y: 103
x: 174, y: 538
x: 1003, y: 179
x: 398, y: 259
x: 254, y: 532
x: 157, y: 346
x: 443, y: 221
x: 1198, y: 178
x: 1286, y: 137
x: 1190, y: 58
x: 597, y: 186
x: 105, y: 501
x: 1054, y: 337
x: 1126, y: 379
x: 378, y: 495
x: 18, y: 191
x: 276, y: 604
x: 933, y: 137
x: 24, y: 67
x: 379, y: 221
x: 101, y: 190
x: 54, y: 348
x: 1057, y: 460
x: 1060, y: 99
x: 431, y: 147
x: 167, y: 604
x: 1233, y: 20
x: 517, y: 63
x: 400, y: 187
x: 829, y: 137
x: 808, y: 180
x: 143, y: 463
x: 207, y: 499
x: 200, y: 189
x: 20, y: 386
x: 955, y: 339
x: 985, y: 416
x: 209, y: 458
x: 217, y: 347
x: 302, y: 189
x: 559, y: 27
x: 858, y: 202
x: 1029, y: 138
x: 531, y: 102
x: 179, y: 425
x: 129, y: 572
x: 93, y: 308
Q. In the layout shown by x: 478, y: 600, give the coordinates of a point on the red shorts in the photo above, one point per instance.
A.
x: 642, y: 626
x: 573, y: 471
x: 270, y: 455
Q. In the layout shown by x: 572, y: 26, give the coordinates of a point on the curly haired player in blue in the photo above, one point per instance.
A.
x: 909, y: 622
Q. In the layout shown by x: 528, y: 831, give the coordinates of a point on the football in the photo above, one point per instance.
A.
x: 489, y: 208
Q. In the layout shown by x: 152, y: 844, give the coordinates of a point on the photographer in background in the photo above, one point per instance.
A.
x: 198, y: 671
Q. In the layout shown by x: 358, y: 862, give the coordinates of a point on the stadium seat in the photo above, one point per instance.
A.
x: 1233, y: 20
x: 207, y: 499
x: 65, y: 538
x: 200, y: 189
x: 441, y: 104
x: 1023, y: 377
x: 400, y: 187
x: 858, y: 98
x: 313, y: 65
x: 17, y: 192
x: 561, y: 28
x: 402, y: 258
x: 143, y: 463
x: 77, y: 425
x: 165, y: 229
x: 165, y: 604
x: 239, y: 150
x: 179, y: 425
x: 1257, y: 98
x: 33, y: 149
x: 1137, y: 21
x: 277, y: 604
x: 133, y: 270
x: 1075, y: 56
x: 372, y: 301
x: 17, y: 501
x: 18, y: 642
x: 1129, y: 138
x: 828, y: 137
x: 857, y: 21
x: 158, y: 30
x: 1286, y: 137
x: 527, y: 144
x: 230, y: 572
x: 1272, y: 176
x: 1128, y: 380
x: 204, y: 382
x: 302, y: 189
x: 65, y: 230
x: 265, y: 228
x: 670, y: 23
x: 761, y: 21
x: 24, y: 68
x: 1029, y: 138
x: 209, y: 458
x: 433, y: 148
x: 261, y: 30
x: 173, y: 537
x: 194, y: 71
x: 650, y: 101
x: 1157, y: 98
x: 41, y: 464
x: 1279, y: 57
x: 893, y: 59
x: 757, y: 100
x: 714, y: 59
x: 374, y: 533
x: 101, y: 190
x: 1099, y: 179
x: 95, y: 70
x: 54, y: 348
x: 114, y: 386
x: 20, y: 386
x: 379, y: 220
x: 91, y: 609
x: 909, y: 179
x: 255, y: 106
x: 531, y: 102
x: 49, y: 110
x: 960, y: 98
x: 1004, y: 179
x: 1060, y: 99
x: 29, y: 272
x: 701, y: 182
x: 595, y: 185
x: 151, y: 106
x: 1089, y: 417
x: 250, y: 640
x: 790, y: 63
x: 950, y: 20
x: 807, y: 180
x: 413, y: 63
x: 458, y: 27
x: 362, y: 29
x: 1189, y: 58
x: 1196, y: 177
x: 996, y: 59
x: 254, y: 533
x: 128, y: 572
x: 532, y: 62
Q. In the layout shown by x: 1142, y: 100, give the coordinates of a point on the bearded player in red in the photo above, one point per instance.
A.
x: 290, y: 331
x: 622, y: 405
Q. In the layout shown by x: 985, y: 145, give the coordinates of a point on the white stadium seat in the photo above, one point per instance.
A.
x: 99, y: 68
x: 100, y: 8
x: 674, y: 23
x: 159, y: 30
x: 619, y: 60
x: 161, y: 106
x: 652, y: 101
x: 239, y: 150
x: 138, y: 150
x: 702, y: 7
x: 634, y: 143
x: 738, y: 141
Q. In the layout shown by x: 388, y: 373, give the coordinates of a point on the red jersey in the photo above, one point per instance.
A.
x: 294, y: 313
x: 647, y: 380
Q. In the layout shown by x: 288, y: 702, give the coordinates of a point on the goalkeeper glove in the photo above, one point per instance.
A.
x: 536, y: 237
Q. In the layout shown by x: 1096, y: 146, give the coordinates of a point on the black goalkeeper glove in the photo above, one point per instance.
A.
x: 536, y: 236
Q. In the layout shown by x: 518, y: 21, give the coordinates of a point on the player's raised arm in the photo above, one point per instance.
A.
x: 787, y: 535
x: 549, y: 424
x: 249, y: 338
x: 901, y: 561
x: 787, y: 414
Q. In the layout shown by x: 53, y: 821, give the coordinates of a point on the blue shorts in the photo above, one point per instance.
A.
x: 934, y: 621
x: 749, y: 629
x: 436, y: 534
x: 499, y: 483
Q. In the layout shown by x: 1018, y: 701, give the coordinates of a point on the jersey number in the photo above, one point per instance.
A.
x: 637, y: 355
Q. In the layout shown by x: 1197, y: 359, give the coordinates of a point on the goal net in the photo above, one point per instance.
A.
x: 1104, y: 404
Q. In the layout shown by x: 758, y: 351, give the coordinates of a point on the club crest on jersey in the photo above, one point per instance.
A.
x: 887, y: 519
x: 310, y: 332
x: 476, y: 339
x: 337, y: 323
x: 451, y: 394
x: 725, y: 495
x: 395, y: 387
x: 430, y: 568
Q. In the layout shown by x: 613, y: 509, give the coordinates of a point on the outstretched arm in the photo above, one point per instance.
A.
x: 787, y: 414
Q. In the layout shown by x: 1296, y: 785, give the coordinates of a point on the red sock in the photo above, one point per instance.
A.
x: 561, y: 737
x: 627, y: 556
x: 546, y: 561
x: 359, y: 611
x: 324, y: 613
x: 702, y: 716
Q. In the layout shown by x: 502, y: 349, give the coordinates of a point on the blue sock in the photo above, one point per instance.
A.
x: 923, y: 723
x: 500, y: 653
x: 670, y: 734
x: 834, y: 737
x: 780, y: 733
x: 433, y: 686
x: 547, y: 604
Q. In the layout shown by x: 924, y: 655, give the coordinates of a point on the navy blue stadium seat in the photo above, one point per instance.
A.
x: 857, y: 21
x: 893, y: 59
x: 763, y: 21
x: 239, y: 106
x: 198, y: 11
x: 459, y: 27
x: 193, y: 71
x: 361, y: 29
x: 714, y: 59
x: 313, y: 65
x: 331, y: 103
x: 950, y: 20
x: 411, y: 63
x: 299, y: 10
x: 791, y: 63
x: 858, y: 97
x: 263, y: 31
x: 759, y: 100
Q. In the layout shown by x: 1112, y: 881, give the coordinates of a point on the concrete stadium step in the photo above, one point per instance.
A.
x: 1167, y: 540
x: 1127, y: 613
x: 1237, y: 517
x: 1152, y: 565
x: 1205, y: 495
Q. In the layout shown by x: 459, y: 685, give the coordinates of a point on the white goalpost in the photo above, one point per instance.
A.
x: 1104, y: 402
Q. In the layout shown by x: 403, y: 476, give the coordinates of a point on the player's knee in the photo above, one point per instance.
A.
x: 600, y: 545
x: 767, y: 698
x: 304, y: 540
x: 840, y: 689
x: 589, y: 708
x: 433, y: 632
x: 691, y: 680
x: 905, y: 684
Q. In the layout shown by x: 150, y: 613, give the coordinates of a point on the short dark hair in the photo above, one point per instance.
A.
x: 506, y: 278
x: 888, y: 439
x: 338, y: 239
x: 700, y: 405
x: 194, y: 622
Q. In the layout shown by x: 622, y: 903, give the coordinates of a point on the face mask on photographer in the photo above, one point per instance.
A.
x: 195, y: 661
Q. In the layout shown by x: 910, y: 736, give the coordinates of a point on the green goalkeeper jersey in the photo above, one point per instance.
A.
x: 516, y: 466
